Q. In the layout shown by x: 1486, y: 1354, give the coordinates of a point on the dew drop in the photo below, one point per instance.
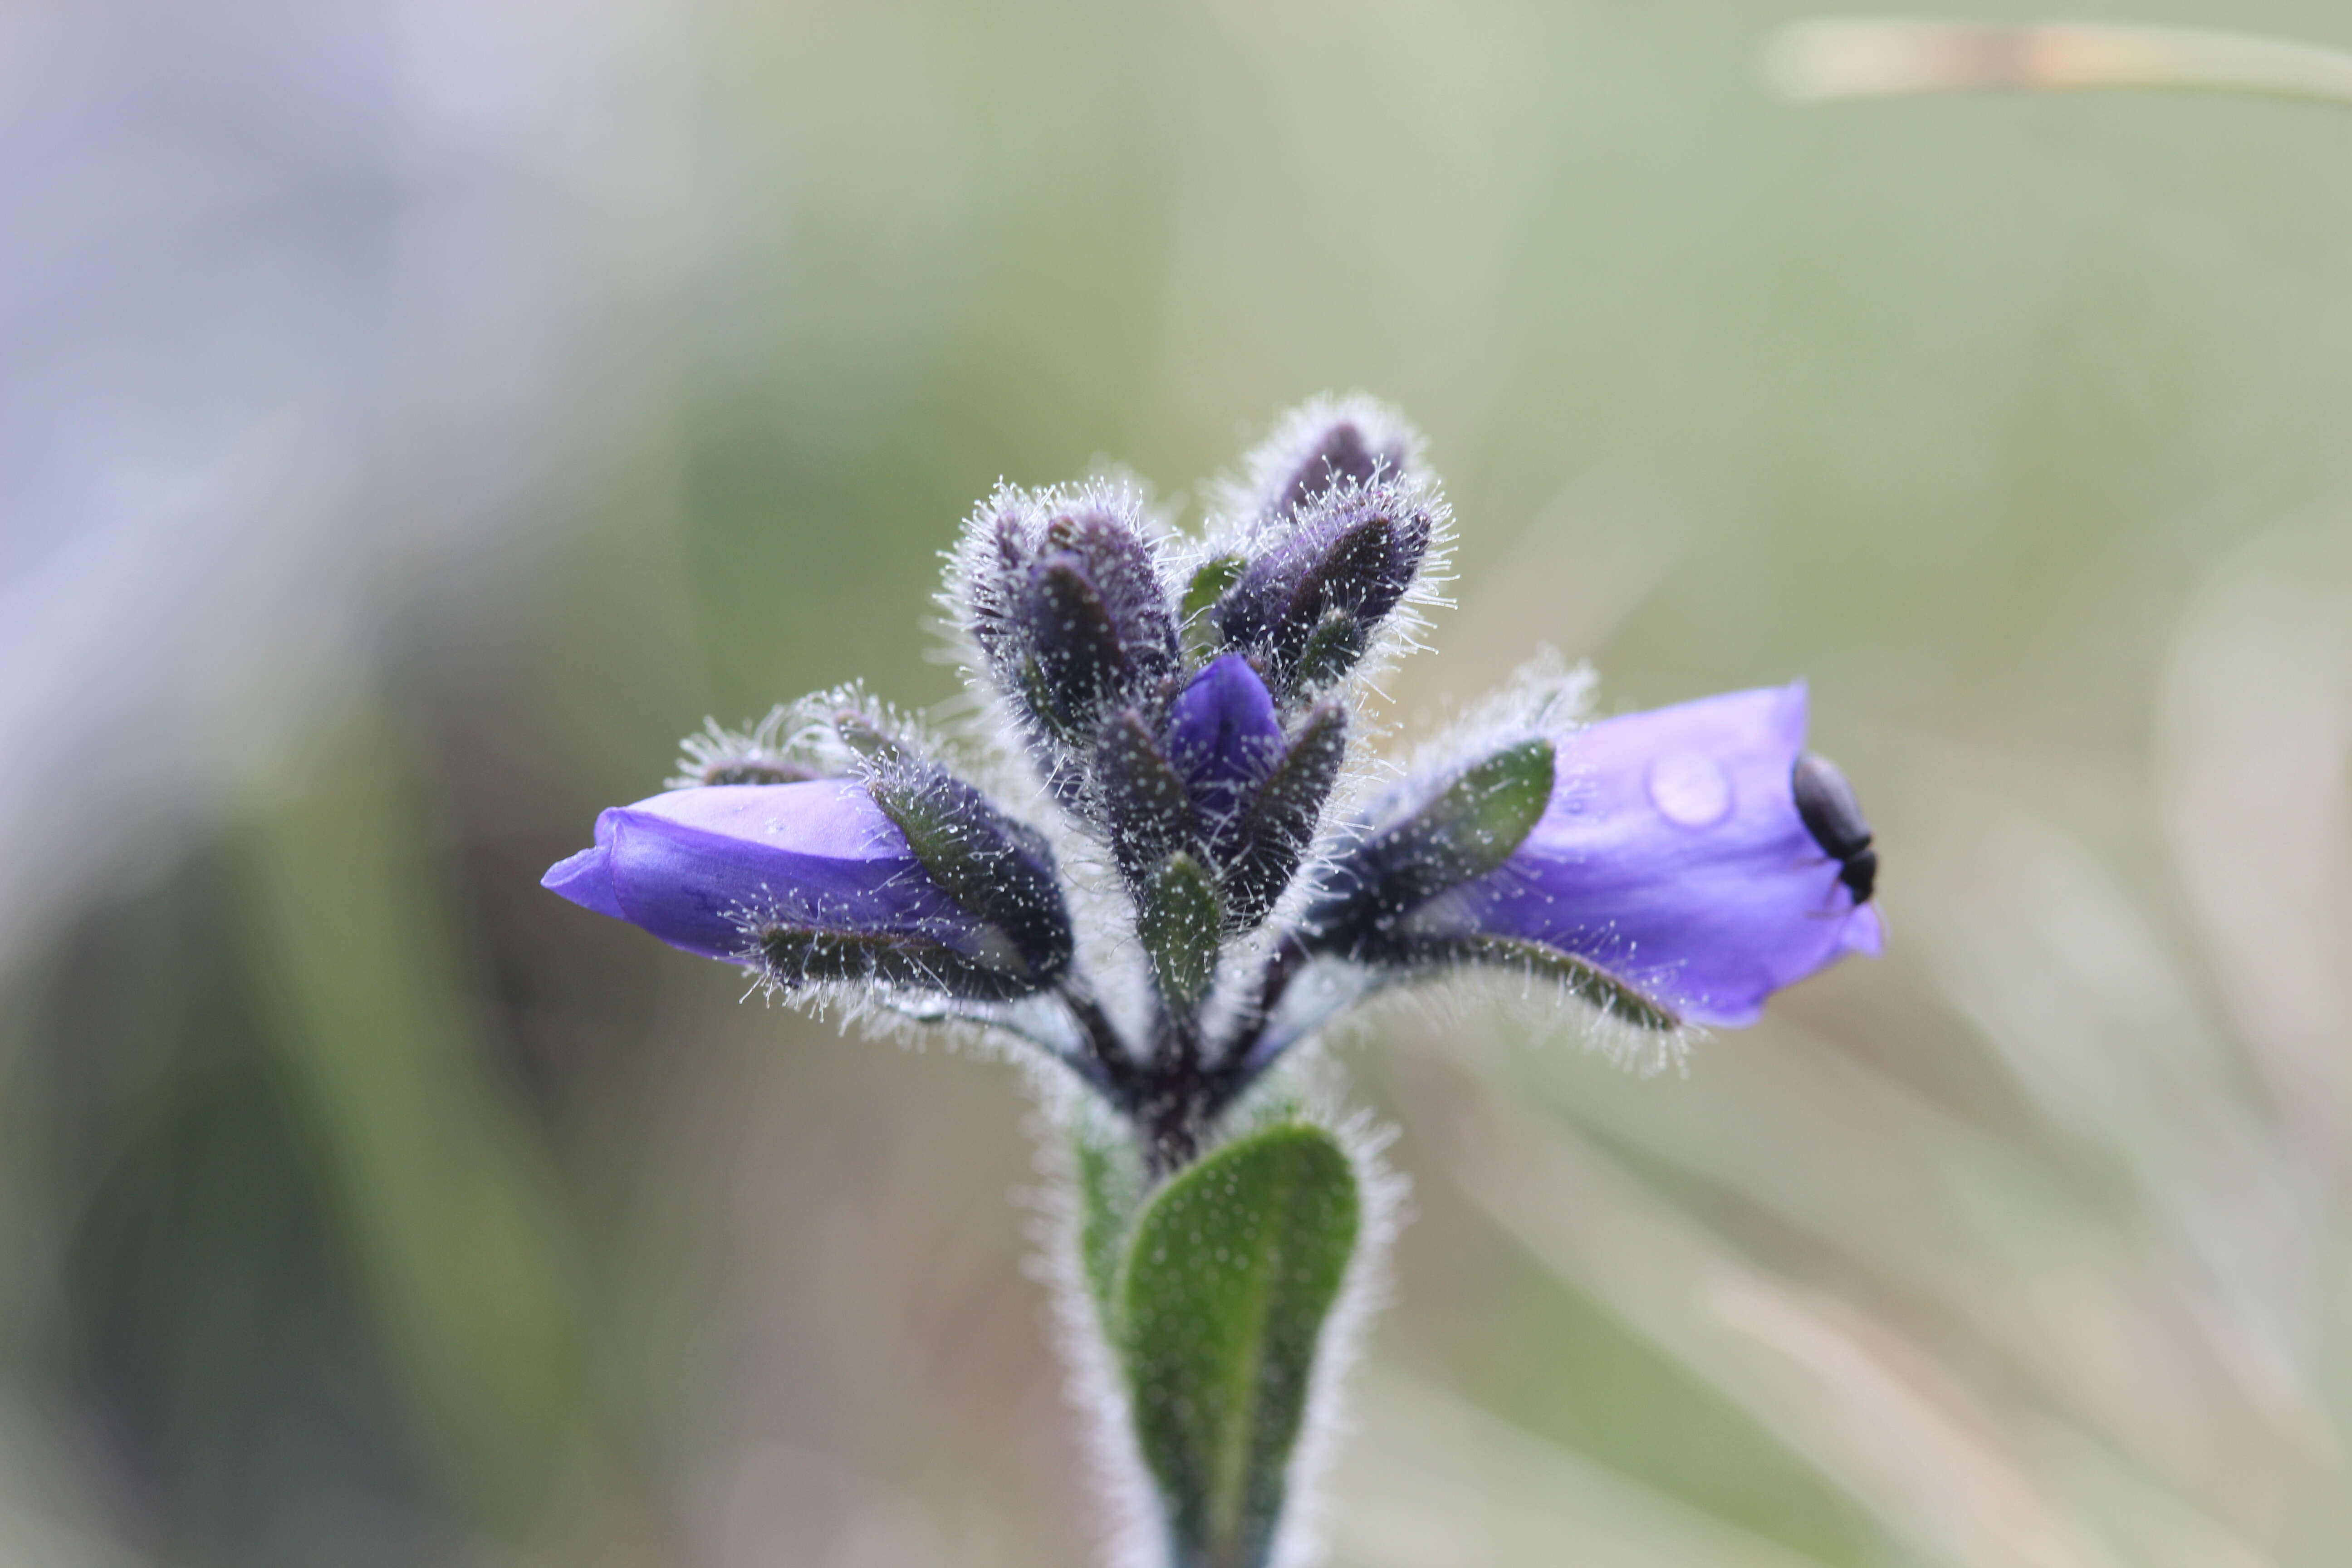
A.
x: 1690, y: 789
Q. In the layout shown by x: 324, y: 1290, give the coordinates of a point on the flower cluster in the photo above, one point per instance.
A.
x: 1204, y: 882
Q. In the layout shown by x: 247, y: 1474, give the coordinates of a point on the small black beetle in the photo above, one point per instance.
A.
x: 1826, y: 805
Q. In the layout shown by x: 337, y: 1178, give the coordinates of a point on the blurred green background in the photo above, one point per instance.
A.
x: 417, y: 417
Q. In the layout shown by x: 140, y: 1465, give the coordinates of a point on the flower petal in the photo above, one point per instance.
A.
x: 1225, y: 738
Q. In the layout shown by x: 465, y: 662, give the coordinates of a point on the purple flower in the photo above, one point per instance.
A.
x: 811, y: 880
x: 1671, y: 855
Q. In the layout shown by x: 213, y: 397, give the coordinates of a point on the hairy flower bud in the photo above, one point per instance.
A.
x: 813, y: 882
x: 1327, y: 444
x: 1062, y: 594
x: 1305, y: 609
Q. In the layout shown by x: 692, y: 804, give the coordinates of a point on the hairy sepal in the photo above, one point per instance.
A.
x: 1464, y: 831
x: 1179, y: 919
x: 796, y: 958
x: 1273, y: 835
x: 1142, y: 798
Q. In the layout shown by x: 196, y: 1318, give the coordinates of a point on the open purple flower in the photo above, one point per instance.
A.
x: 808, y: 881
x: 1672, y: 856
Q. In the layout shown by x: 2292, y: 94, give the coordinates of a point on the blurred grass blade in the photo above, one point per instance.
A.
x: 1233, y: 1271
x: 1953, y: 1492
x: 1867, y: 58
x: 1430, y: 1481
x: 453, y: 1216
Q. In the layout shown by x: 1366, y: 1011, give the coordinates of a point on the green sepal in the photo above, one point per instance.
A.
x: 1181, y: 922
x: 1282, y: 818
x: 1466, y: 830
x: 1588, y: 982
x: 1200, y: 595
x: 1330, y: 651
x: 794, y: 956
x: 1144, y: 800
x: 1222, y: 1298
x: 1476, y: 822
x: 998, y: 869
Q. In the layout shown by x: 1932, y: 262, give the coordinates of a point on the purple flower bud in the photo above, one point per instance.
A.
x: 1225, y: 738
x: 1324, y: 444
x: 750, y: 872
x: 1672, y: 856
x: 1308, y: 605
x: 1062, y: 593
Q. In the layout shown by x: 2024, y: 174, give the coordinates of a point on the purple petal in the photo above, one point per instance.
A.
x: 704, y: 869
x: 1671, y: 855
x: 586, y: 878
x: 1223, y: 737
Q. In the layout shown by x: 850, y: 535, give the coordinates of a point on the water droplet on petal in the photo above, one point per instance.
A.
x: 1690, y: 789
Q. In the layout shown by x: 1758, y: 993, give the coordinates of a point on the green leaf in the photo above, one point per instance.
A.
x: 1222, y: 1298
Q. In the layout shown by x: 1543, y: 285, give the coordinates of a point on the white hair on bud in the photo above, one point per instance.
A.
x: 714, y: 750
x: 1240, y: 523
x: 971, y: 593
x: 1239, y: 504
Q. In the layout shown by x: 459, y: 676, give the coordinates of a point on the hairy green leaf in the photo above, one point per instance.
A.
x: 1227, y: 1285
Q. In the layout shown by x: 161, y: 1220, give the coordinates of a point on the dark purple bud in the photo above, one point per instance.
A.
x: 1327, y: 445
x: 809, y: 882
x: 1341, y: 457
x: 1307, y: 608
x: 1674, y: 859
x: 1064, y: 598
x: 1224, y: 736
